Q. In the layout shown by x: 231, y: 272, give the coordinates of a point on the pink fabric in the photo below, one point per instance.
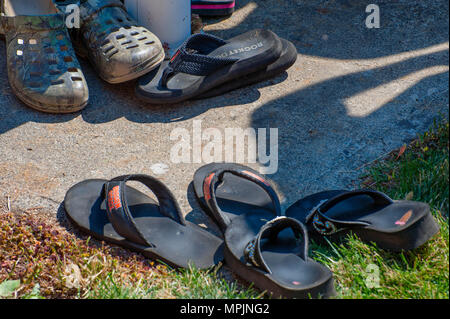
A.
x: 213, y: 6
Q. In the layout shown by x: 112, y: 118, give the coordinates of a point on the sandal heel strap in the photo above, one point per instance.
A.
x: 119, y: 214
x: 192, y: 57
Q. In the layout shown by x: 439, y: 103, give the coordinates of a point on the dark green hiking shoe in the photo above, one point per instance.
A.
x: 42, y: 67
x: 119, y: 49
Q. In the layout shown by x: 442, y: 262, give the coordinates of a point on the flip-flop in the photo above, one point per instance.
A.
x: 212, y: 7
x: 43, y: 70
x: 117, y: 46
x: 226, y: 191
x: 119, y: 214
x: 205, y: 61
x: 256, y: 252
x: 373, y: 216
x: 286, y: 60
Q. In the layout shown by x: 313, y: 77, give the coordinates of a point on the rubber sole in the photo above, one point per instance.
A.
x: 213, y: 12
x: 408, y: 239
x: 138, y: 249
x: 139, y: 70
x: 45, y: 107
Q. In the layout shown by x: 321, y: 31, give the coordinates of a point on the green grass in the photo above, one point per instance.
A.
x: 420, y: 173
x: 184, y: 283
x: 42, y: 260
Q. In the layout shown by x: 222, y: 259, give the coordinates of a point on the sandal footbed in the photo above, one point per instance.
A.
x: 235, y: 195
x: 291, y: 276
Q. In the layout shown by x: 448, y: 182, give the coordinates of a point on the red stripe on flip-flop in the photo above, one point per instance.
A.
x: 207, y: 186
x: 174, y: 56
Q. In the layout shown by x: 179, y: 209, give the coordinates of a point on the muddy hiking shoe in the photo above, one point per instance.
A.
x: 117, y: 46
x: 42, y: 67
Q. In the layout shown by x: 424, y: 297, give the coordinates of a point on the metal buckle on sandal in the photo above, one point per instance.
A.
x: 314, y: 210
x: 320, y: 224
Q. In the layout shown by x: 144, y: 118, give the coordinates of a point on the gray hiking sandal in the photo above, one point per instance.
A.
x: 42, y: 67
x: 119, y: 49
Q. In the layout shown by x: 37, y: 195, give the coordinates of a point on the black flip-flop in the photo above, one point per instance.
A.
x: 227, y: 190
x: 212, y: 7
x: 117, y: 213
x: 373, y: 216
x: 205, y: 61
x: 278, y: 264
x: 285, y: 61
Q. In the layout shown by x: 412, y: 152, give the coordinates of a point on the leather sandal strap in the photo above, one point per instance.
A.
x: 119, y: 213
x: 270, y: 230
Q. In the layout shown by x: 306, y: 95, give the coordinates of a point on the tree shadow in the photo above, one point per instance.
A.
x: 323, y: 140
x: 325, y: 137
x: 330, y: 29
x: 337, y: 29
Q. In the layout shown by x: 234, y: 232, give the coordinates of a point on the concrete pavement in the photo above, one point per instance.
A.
x: 353, y: 95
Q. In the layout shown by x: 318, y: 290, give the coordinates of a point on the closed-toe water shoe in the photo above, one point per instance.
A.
x: 117, y: 46
x: 273, y: 256
x: 42, y: 67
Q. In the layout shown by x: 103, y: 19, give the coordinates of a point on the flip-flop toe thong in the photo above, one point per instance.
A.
x: 227, y: 190
x: 117, y: 213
